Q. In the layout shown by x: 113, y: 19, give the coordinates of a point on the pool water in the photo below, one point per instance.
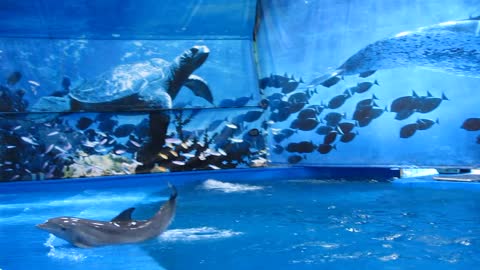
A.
x: 294, y: 224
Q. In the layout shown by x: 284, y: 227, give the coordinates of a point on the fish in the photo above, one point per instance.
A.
x: 327, y: 82
x: 323, y: 130
x: 471, y: 124
x: 348, y: 137
x: 330, y: 137
x: 122, y: 229
x: 14, y: 78
x: 83, y: 123
x: 28, y: 140
x: 429, y: 103
x: 294, y: 159
x: 346, y: 127
x: 364, y: 86
x: 337, y: 101
x: 252, y: 116
x: 227, y: 103
x: 325, y: 148
x: 124, y: 130
x: 333, y: 118
x: 307, y: 113
x: 450, y: 47
x: 424, y: 124
x: 304, y: 124
x: 34, y: 83
x: 408, y: 130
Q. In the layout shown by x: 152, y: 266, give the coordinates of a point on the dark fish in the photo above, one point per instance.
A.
x: 280, y: 116
x: 288, y: 132
x: 471, y: 124
x: 424, y: 124
x: 333, y: 118
x: 324, y: 130
x: 264, y: 103
x: 304, y: 124
x: 290, y: 86
x: 14, y: 78
x: 301, y: 147
x: 277, y: 149
x: 227, y: 103
x: 252, y: 116
x: 406, y: 103
x: 407, y: 131
x: 275, y: 96
x: 278, y: 81
x: 296, y: 107
x: 367, y: 102
x: 318, y: 108
x: 330, y: 137
x: 429, y: 103
x: 366, y: 74
x: 283, y: 134
x: 348, y: 137
x: 242, y: 101
x: 346, y: 127
x: 364, y: 86
x: 107, y: 125
x: 300, y: 97
x: 124, y: 130
x: 294, y: 159
x: 264, y: 82
x: 331, y: 81
x: 337, y: 101
x: 254, y: 132
x: 83, y: 123
x: 325, y: 148
x: 66, y: 83
x: 215, y: 124
x: 402, y: 115
x: 307, y: 113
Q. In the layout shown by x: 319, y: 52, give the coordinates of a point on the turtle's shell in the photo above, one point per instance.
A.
x: 123, y: 81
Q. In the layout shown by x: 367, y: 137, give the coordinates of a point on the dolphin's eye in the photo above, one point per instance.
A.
x: 64, y: 229
x: 194, y: 50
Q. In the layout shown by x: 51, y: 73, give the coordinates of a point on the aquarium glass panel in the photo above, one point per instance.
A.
x: 128, y: 19
x: 371, y: 83
x: 52, y: 145
x: 57, y: 75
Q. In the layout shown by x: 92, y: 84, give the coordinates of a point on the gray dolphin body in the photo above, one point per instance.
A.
x: 451, y: 47
x: 86, y: 233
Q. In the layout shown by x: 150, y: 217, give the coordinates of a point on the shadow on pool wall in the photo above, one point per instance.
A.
x: 86, y: 95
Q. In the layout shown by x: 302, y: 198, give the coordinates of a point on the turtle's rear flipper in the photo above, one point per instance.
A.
x: 199, y: 87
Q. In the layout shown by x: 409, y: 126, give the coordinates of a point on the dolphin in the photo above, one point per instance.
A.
x: 122, y: 229
x: 451, y: 47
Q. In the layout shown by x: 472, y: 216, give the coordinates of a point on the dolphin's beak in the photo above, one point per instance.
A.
x: 42, y: 226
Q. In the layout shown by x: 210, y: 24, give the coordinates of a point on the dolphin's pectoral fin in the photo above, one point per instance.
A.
x: 124, y: 216
x: 80, y: 245
x: 199, y: 87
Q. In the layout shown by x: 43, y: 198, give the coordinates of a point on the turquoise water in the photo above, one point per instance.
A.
x: 292, y: 224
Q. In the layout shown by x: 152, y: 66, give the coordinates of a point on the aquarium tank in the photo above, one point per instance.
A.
x: 96, y: 88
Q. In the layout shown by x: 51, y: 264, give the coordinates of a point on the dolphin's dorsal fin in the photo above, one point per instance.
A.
x: 124, y: 216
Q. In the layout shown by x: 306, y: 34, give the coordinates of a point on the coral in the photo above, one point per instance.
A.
x: 100, y: 165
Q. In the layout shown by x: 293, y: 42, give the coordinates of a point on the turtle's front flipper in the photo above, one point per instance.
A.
x: 199, y: 87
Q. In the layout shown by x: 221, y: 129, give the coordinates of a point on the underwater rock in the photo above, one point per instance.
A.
x: 100, y: 165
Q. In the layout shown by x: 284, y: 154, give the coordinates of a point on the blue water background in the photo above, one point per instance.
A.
x: 285, y: 224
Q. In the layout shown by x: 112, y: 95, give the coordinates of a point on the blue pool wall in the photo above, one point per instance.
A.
x: 262, y: 59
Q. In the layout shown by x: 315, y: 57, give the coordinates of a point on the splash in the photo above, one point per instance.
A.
x: 70, y: 254
x: 197, y: 234
x: 212, y: 184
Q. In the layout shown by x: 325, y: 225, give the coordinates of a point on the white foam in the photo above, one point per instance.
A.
x: 70, y: 254
x: 197, y: 234
x: 212, y: 184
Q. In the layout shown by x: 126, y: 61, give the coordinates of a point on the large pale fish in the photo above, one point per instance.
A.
x: 452, y: 47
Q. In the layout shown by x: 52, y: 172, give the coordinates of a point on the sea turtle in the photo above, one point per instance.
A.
x: 151, y: 84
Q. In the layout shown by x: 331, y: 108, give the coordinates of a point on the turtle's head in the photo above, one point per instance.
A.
x: 193, y: 58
